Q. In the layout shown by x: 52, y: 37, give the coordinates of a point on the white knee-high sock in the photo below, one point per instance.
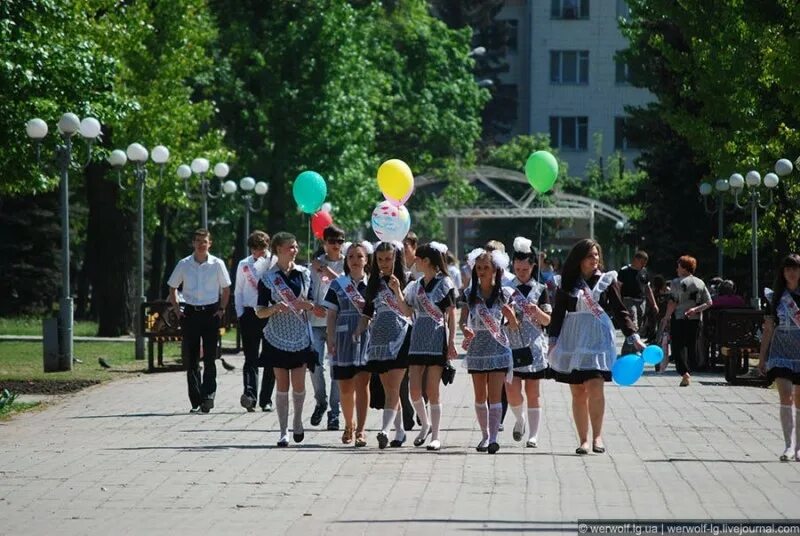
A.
x: 797, y: 429
x: 787, y: 423
x: 399, y: 432
x: 419, y: 407
x: 388, y: 417
x: 517, y: 411
x: 282, y: 407
x: 297, y: 423
x: 495, y: 412
x: 436, y: 419
x: 482, y: 412
x: 534, y: 418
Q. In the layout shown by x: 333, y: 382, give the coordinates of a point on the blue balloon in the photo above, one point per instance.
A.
x: 653, y: 355
x: 309, y: 191
x: 627, y: 369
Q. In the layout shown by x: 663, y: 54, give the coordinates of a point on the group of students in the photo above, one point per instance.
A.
x: 382, y: 317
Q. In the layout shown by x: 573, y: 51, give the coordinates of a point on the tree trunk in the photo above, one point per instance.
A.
x: 111, y: 248
x: 158, y: 252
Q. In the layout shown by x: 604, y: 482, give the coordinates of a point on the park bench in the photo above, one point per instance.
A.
x: 161, y: 325
x: 734, y: 339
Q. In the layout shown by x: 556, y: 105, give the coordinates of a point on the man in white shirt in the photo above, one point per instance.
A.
x: 324, y: 269
x: 204, y: 278
x: 245, y: 298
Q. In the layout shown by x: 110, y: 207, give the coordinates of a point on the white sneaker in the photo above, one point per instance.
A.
x: 787, y: 455
x: 531, y: 443
x: 519, y: 429
x: 434, y: 445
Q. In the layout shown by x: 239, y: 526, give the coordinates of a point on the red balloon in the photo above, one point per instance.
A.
x: 319, y: 222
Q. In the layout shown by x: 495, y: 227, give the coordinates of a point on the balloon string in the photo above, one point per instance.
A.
x: 308, y: 246
x: 541, y: 222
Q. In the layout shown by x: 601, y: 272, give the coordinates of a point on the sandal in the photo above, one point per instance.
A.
x: 361, y: 439
x: 347, y: 435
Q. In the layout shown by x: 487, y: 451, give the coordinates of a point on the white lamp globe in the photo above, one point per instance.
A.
x: 620, y: 225
x: 90, y: 128
x: 262, y: 188
x: 160, y: 154
x: 36, y: 129
x: 229, y: 187
x: 753, y: 178
x: 117, y: 158
x: 137, y: 153
x: 722, y: 185
x: 247, y: 183
x: 736, y: 181
x: 200, y: 165
x: 69, y: 124
x: 771, y: 180
x: 783, y: 167
x: 184, y: 171
x: 221, y: 170
x: 704, y: 188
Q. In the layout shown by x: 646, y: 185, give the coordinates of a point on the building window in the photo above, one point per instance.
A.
x: 569, y: 67
x: 622, y: 9
x: 569, y: 9
x: 621, y: 142
x: 569, y: 133
x: 622, y: 76
x: 512, y: 29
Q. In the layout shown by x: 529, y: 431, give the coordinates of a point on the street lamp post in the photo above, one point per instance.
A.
x: 68, y: 126
x: 721, y: 186
x: 248, y: 185
x: 753, y: 198
x: 138, y: 154
x: 200, y: 167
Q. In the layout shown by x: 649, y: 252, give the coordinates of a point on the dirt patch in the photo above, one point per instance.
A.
x: 47, y: 387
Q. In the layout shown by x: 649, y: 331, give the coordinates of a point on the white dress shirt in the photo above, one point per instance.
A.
x: 202, y: 282
x: 245, y: 293
x: 319, y: 288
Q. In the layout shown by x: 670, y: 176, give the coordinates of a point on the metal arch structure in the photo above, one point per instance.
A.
x: 564, y: 206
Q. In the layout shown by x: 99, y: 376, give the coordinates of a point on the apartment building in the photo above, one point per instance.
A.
x: 567, y: 81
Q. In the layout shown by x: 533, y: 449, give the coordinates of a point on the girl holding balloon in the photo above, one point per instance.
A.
x: 780, y: 350
x: 488, y: 358
x: 528, y: 343
x: 431, y: 300
x: 345, y: 302
x: 385, y: 313
x: 582, y: 337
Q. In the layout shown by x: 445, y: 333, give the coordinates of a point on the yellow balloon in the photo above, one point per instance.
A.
x: 395, y: 180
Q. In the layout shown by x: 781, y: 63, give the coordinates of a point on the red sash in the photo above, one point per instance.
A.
x: 391, y: 300
x: 791, y: 308
x: 353, y: 294
x: 491, y: 324
x: 526, y: 306
x: 428, y: 306
x: 588, y: 300
x: 286, y: 294
x: 248, y: 273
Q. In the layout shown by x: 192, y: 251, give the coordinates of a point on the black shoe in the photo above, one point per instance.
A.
x: 333, y: 422
x: 319, y: 411
x: 298, y: 437
x: 248, y: 402
x: 397, y: 443
x: 493, y: 448
x: 207, y: 405
x: 598, y: 449
x: 267, y: 407
x: 483, y: 445
x: 195, y: 409
x: 383, y: 440
x: 581, y: 451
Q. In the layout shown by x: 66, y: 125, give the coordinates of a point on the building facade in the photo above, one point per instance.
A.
x: 568, y: 83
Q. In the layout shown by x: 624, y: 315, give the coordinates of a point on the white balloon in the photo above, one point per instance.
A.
x: 390, y: 222
x: 326, y: 207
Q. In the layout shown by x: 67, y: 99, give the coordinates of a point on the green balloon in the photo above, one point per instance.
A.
x: 541, y: 170
x: 309, y: 191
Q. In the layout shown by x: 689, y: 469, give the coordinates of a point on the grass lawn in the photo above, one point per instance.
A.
x: 32, y: 325
x: 23, y: 361
x: 16, y: 407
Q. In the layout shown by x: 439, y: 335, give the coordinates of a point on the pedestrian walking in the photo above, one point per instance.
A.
x: 637, y: 295
x: 206, y: 290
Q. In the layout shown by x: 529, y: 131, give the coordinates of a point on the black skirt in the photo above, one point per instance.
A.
x: 473, y: 371
x: 543, y: 374
x: 282, y: 359
x: 577, y: 377
x: 399, y: 362
x: 347, y: 373
x: 785, y: 373
x: 428, y: 360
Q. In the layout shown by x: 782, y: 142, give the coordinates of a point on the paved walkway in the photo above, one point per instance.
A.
x: 127, y: 458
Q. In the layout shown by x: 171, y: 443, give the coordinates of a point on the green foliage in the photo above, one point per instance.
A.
x: 6, y: 399
x: 727, y: 90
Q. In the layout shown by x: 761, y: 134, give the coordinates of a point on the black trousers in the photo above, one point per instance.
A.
x: 684, y: 336
x: 200, y: 327
x: 252, y: 329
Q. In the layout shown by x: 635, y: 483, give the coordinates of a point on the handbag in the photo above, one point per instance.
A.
x: 448, y: 374
x: 522, y: 357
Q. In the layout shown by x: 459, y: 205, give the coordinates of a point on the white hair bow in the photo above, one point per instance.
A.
x: 500, y: 259
x: 438, y: 246
x: 522, y: 245
x: 364, y: 244
x: 473, y: 256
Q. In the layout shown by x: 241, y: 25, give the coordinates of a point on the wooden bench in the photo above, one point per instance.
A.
x: 737, y: 335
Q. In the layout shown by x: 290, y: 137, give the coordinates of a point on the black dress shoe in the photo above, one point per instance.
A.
x: 319, y: 411
x: 383, y: 440
x: 482, y: 446
x: 207, y: 405
x: 598, y: 449
x: 493, y: 448
x: 581, y: 450
x: 298, y: 437
x: 396, y: 443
